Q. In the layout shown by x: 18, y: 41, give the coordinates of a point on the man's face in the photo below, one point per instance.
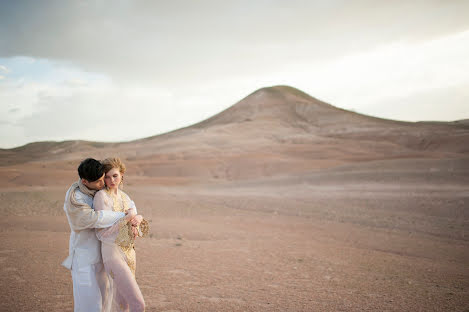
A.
x: 95, y: 185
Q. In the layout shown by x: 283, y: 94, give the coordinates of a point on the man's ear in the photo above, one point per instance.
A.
x: 84, y: 181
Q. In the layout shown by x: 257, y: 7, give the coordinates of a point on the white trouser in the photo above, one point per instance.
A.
x: 90, y: 288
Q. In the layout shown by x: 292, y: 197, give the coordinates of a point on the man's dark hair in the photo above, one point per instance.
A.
x: 90, y: 169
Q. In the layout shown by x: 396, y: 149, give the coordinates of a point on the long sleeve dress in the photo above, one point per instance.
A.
x: 117, y: 249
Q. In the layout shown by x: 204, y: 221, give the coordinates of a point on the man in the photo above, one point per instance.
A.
x: 84, y: 260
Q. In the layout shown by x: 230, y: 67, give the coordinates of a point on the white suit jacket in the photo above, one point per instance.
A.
x: 84, y: 245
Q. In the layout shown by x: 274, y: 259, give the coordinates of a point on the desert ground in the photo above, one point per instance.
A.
x: 280, y: 203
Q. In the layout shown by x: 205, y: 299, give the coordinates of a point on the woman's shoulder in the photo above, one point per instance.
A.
x: 101, y: 194
x: 124, y: 194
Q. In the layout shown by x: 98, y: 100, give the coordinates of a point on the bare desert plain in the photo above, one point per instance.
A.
x: 279, y: 203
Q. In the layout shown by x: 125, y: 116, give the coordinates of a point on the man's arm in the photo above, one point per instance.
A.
x: 87, y: 218
x: 107, y: 218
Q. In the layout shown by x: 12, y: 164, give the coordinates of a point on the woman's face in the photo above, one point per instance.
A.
x: 113, y: 178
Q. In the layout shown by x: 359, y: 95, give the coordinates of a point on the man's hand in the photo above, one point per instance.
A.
x: 136, y: 220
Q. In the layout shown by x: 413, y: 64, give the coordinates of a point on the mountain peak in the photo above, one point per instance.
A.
x: 274, y: 104
x: 283, y: 90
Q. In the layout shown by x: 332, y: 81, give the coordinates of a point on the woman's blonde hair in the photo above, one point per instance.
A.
x: 113, y: 162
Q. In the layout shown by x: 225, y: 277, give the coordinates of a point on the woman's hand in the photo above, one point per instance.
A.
x: 134, y: 231
x: 136, y: 220
x: 130, y: 214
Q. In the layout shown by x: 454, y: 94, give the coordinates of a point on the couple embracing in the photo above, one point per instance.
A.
x: 104, y: 225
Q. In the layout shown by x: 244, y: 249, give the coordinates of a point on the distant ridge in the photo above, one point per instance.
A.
x: 273, y: 118
x: 284, y: 109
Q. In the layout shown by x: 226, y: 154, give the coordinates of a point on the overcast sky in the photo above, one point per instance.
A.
x: 123, y: 70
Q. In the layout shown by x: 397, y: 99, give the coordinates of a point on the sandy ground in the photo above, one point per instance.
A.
x: 308, y: 214
x: 280, y: 246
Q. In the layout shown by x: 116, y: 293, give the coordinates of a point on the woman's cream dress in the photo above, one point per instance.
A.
x: 117, y: 248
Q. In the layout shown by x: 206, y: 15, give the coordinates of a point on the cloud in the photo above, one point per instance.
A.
x: 368, y: 78
x: 76, y: 83
x: 102, y: 111
x: 160, y: 43
x: 427, y: 105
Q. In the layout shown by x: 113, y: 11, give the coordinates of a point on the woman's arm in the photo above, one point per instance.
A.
x: 102, y: 202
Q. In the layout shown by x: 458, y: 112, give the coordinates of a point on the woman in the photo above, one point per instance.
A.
x: 117, y: 241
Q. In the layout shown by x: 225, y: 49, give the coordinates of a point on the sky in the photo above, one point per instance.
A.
x: 122, y: 70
